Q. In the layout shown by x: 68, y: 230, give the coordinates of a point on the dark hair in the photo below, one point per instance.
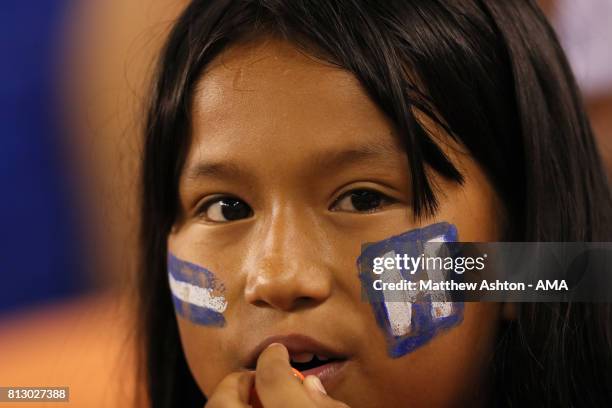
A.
x: 492, y: 74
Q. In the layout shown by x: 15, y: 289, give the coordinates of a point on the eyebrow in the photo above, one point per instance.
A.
x: 328, y: 160
x: 215, y: 170
x: 365, y: 154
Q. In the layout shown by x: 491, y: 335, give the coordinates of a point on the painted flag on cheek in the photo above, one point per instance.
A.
x: 409, y: 318
x: 196, y: 292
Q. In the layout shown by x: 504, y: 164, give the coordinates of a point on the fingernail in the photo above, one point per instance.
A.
x: 279, y: 345
x: 274, y: 344
x: 316, y: 382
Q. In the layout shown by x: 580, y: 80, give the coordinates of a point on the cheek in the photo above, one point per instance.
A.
x: 203, y: 301
x: 448, y: 371
x: 433, y: 353
x: 204, y: 349
x: 473, y: 207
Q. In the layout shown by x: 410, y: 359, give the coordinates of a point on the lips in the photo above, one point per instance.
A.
x: 306, y: 354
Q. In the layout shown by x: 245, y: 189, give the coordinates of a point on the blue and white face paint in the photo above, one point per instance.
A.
x: 196, y: 292
x: 409, y: 318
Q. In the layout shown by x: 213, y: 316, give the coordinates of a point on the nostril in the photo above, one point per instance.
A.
x: 260, y: 303
x: 286, y: 289
x: 303, y: 299
x: 304, y: 302
x: 297, y: 303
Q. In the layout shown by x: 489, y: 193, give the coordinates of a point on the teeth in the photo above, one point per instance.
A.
x: 302, y: 357
x: 322, y: 358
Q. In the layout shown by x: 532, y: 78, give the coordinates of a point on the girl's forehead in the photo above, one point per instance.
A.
x: 270, y: 95
x: 276, y: 69
x: 248, y: 62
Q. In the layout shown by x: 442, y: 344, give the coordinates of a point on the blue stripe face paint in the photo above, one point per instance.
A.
x: 409, y: 319
x: 196, y: 292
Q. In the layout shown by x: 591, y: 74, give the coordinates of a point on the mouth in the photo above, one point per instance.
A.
x: 307, y: 355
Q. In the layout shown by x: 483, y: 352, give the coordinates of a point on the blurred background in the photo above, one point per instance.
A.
x: 74, y: 78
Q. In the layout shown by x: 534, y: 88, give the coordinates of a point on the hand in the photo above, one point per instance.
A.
x: 233, y: 391
x: 277, y: 387
x: 275, y: 384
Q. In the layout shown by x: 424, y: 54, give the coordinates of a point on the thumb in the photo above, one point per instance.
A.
x: 318, y: 395
x: 315, y: 388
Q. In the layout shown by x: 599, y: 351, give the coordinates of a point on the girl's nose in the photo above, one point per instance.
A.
x: 285, y: 268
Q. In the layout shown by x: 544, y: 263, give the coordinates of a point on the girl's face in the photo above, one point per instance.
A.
x: 291, y: 169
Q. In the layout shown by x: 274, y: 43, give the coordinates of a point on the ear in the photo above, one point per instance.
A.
x: 509, y: 311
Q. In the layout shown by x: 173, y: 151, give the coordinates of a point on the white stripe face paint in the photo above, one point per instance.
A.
x: 440, y: 307
x: 196, y: 292
x: 398, y: 311
x: 197, y: 296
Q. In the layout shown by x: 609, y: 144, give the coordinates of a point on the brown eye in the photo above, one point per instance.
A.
x: 226, y: 209
x: 361, y: 201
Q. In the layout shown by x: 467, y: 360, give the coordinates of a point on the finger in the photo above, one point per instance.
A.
x: 233, y: 391
x: 318, y: 395
x: 274, y: 380
x: 314, y: 387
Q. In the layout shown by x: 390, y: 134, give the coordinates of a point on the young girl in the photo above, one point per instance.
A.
x: 285, y: 134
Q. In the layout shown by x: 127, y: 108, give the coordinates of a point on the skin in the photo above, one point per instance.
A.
x: 272, y: 127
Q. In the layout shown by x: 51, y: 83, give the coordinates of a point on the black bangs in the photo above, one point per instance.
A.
x: 365, y: 45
